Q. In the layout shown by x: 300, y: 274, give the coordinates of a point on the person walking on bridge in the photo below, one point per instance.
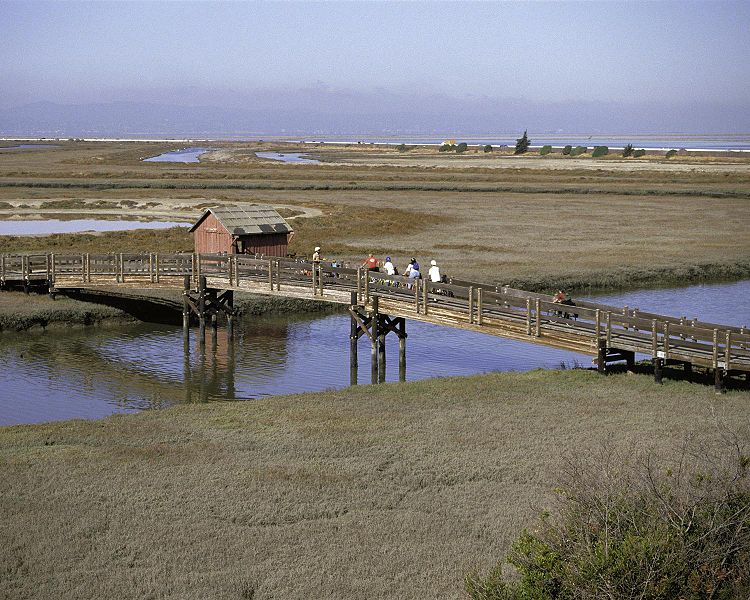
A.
x: 371, y: 263
x: 316, y: 255
x: 388, y: 267
x: 434, y: 272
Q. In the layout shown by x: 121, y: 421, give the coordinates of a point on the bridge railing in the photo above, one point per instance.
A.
x: 456, y: 300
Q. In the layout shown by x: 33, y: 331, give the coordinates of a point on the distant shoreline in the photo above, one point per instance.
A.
x: 558, y: 143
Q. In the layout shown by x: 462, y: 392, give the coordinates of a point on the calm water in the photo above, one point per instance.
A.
x: 91, y: 373
x: 46, y: 226
x: 186, y: 155
x: 290, y: 157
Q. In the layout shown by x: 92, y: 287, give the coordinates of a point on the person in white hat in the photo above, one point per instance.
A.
x: 434, y: 272
x: 316, y: 255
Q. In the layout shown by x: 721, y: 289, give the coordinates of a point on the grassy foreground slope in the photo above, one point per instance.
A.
x: 392, y: 491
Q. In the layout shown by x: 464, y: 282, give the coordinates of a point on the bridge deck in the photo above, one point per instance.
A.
x: 588, y: 327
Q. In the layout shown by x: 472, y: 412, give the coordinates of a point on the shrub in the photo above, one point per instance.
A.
x: 567, y: 150
x: 401, y: 148
x: 600, y: 151
x: 522, y: 144
x: 487, y: 148
x: 670, y: 153
x: 628, y: 527
x: 460, y: 148
x: 578, y: 150
x: 545, y: 150
x: 639, y: 153
x: 627, y: 150
x: 446, y: 148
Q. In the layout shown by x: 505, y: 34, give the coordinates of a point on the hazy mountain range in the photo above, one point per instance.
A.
x: 361, y: 115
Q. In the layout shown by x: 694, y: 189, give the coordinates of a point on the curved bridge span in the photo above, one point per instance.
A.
x: 379, y: 305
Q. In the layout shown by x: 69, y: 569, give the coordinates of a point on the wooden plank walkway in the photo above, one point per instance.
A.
x: 605, y: 332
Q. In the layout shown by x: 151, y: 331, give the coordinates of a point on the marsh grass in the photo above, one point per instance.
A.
x: 19, y: 312
x: 536, y: 227
x: 392, y: 491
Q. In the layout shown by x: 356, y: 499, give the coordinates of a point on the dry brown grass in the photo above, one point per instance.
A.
x: 392, y: 491
x: 523, y: 224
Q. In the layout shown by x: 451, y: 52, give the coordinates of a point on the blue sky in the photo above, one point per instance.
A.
x: 654, y: 52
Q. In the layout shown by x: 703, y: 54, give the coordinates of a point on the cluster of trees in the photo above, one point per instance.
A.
x: 457, y: 148
x: 633, y: 525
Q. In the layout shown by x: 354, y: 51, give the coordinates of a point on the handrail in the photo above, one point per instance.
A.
x: 474, y: 304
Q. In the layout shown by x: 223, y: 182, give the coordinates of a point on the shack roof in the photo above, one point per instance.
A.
x: 247, y: 220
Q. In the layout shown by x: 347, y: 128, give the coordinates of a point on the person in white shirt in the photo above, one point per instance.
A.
x: 316, y: 255
x: 388, y: 267
x: 434, y: 272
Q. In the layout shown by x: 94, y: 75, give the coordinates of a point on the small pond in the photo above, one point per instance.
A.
x: 289, y: 157
x: 186, y: 155
x: 48, y: 226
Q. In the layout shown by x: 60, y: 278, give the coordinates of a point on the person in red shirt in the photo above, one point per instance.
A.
x: 371, y: 263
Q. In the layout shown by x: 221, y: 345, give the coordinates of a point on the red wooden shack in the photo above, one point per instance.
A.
x: 252, y: 229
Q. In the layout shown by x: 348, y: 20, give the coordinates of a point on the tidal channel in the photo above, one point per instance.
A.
x: 97, y: 371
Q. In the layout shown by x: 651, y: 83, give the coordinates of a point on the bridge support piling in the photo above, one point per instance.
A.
x: 601, y: 357
x: 381, y: 356
x: 658, y: 364
x: 230, y: 314
x: 353, y: 337
x: 186, y: 307
x: 719, y: 385
x: 202, y: 310
x: 214, y: 330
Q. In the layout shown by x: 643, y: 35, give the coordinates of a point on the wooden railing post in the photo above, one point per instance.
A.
x: 122, y: 269
x: 654, y: 339
x: 715, y: 360
x: 83, y: 268
x: 270, y: 273
x: 151, y: 267
x: 278, y: 275
x: 52, y: 267
x: 314, y: 280
x: 727, y: 351
x: 359, y: 284
x: 425, y: 297
x: 416, y: 295
x: 471, y: 304
x: 528, y: 316
x: 479, y: 306
x: 598, y: 326
x: 609, y: 329
x: 2, y: 267
x: 666, y: 341
x: 366, y: 275
x: 538, y: 312
x: 156, y: 268
x: 320, y: 280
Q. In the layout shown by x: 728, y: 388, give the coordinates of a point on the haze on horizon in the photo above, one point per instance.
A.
x: 351, y: 66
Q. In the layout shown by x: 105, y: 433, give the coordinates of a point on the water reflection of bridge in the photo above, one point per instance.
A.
x: 380, y: 305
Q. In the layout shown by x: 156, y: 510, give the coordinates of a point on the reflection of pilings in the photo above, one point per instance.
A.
x: 374, y: 341
x: 381, y: 356
x: 402, y: 354
x: 186, y: 366
x: 230, y: 364
x: 186, y: 307
x: 214, y: 330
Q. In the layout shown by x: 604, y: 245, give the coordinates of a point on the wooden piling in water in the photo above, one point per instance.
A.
x: 202, y: 309
x: 353, y: 335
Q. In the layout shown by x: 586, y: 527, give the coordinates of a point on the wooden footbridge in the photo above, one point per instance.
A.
x: 379, y: 305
